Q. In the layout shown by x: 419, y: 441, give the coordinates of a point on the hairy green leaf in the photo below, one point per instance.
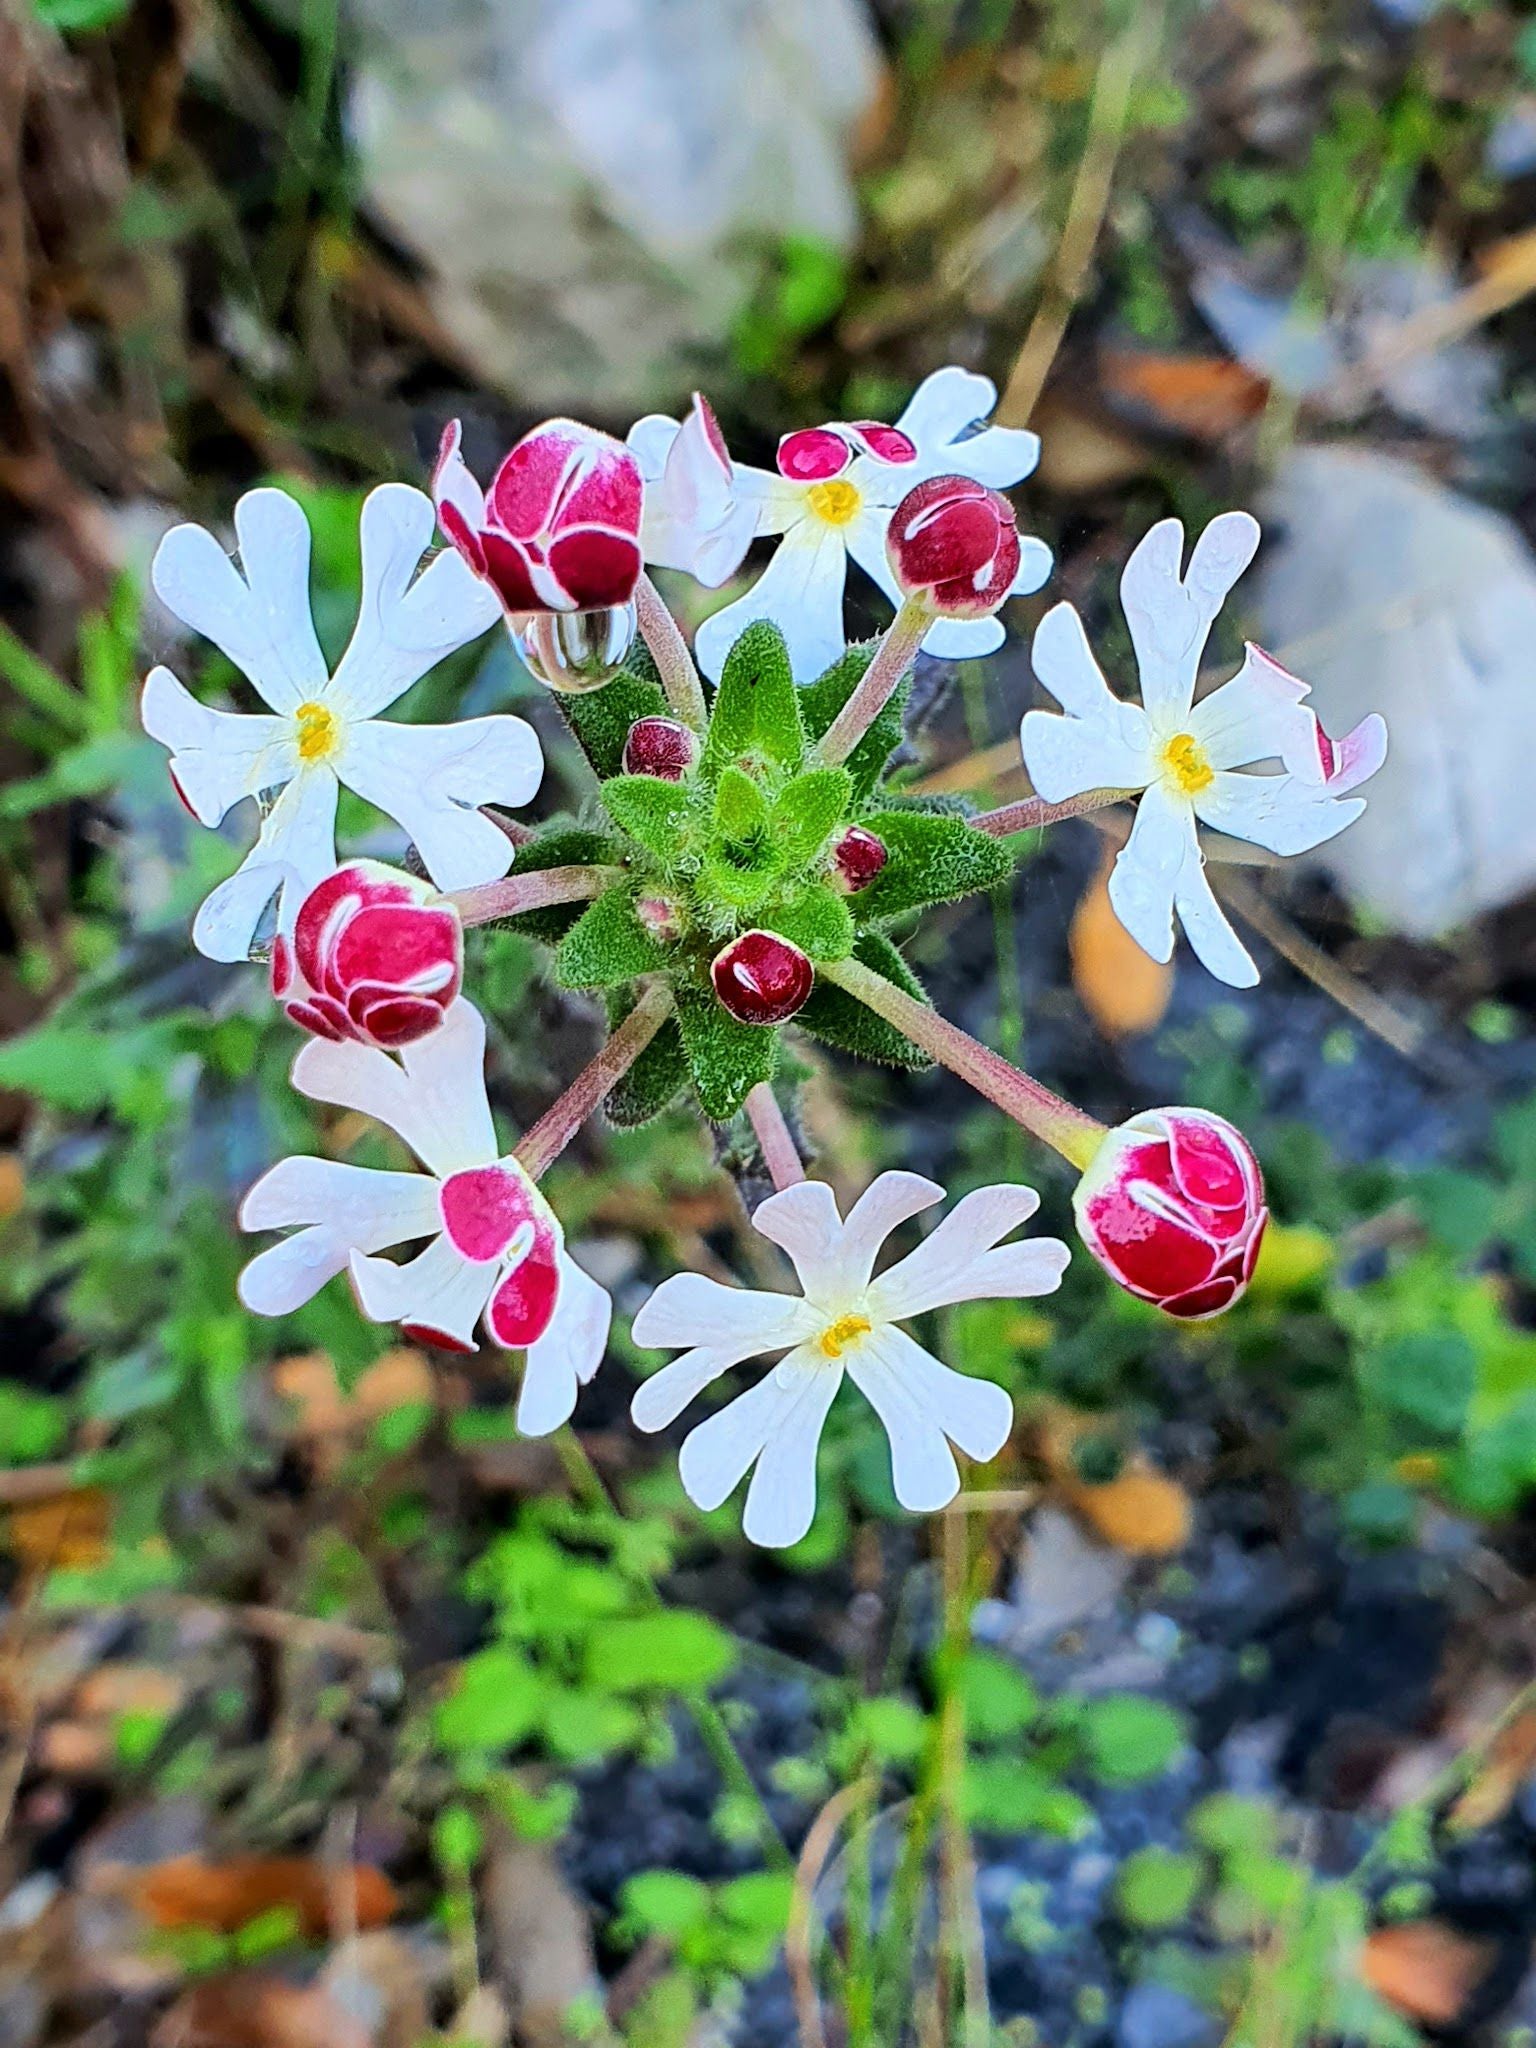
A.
x: 601, y: 718
x: 821, y: 701
x: 655, y: 1080
x: 741, y: 809
x: 743, y: 887
x: 757, y: 709
x: 805, y: 812
x: 650, y: 810
x: 817, y: 920
x: 839, y: 1019
x: 726, y: 1059
x: 607, y: 944
x: 933, y: 859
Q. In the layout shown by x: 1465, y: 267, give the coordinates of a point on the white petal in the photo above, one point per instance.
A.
x: 1035, y: 565
x: 1147, y: 869
x: 433, y: 1096
x: 890, y: 1200
x: 1104, y: 743
x: 568, y: 1353
x: 690, y: 1309
x: 1215, y: 944
x: 651, y: 439
x: 997, y: 456
x: 217, y: 757
x: 431, y: 779
x: 453, y: 482
x: 1258, y: 716
x: 944, y: 405
x: 1170, y: 615
x: 295, y: 849
x: 801, y: 591
x: 923, y: 1404
x: 403, y: 628
x: 663, y: 1397
x: 695, y: 519
x: 803, y: 1221
x: 286, y: 1275
x: 957, y: 1260
x: 346, y: 1208
x: 261, y: 620
x: 963, y: 639
x: 1280, y: 812
x: 439, y: 1290
x: 778, y: 1424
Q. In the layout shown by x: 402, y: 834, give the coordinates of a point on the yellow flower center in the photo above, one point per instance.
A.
x: 319, y: 731
x: 835, y: 1339
x: 834, y: 503
x: 1187, y: 764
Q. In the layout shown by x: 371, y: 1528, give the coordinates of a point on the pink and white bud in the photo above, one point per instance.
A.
x: 1172, y: 1206
x: 954, y: 545
x: 886, y: 444
x: 495, y: 1216
x: 857, y: 857
x: 559, y: 529
x: 662, y: 917
x: 660, y: 746
x: 761, y: 978
x: 376, y: 956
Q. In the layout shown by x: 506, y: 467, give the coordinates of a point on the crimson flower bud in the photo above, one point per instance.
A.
x: 1172, y: 1206
x: 376, y: 955
x: 559, y: 528
x: 857, y: 857
x: 954, y: 544
x: 660, y: 746
x: 662, y: 918
x: 761, y: 978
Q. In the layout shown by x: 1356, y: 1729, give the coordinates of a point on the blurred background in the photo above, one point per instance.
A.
x: 332, y: 1714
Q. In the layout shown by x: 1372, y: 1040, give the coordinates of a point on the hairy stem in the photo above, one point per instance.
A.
x: 780, y: 1153
x: 893, y: 657
x: 1072, y: 1132
x: 1033, y: 811
x: 564, y: 1118
x: 662, y: 634
x: 532, y: 891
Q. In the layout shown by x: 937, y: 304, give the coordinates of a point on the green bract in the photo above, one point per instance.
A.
x: 745, y: 841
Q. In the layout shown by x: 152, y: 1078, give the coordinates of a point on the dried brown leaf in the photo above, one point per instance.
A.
x: 193, y: 1891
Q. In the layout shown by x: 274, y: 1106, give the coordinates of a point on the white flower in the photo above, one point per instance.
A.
x: 496, y: 1247
x: 833, y: 497
x: 322, y: 731
x: 1182, y: 755
x: 844, y: 1321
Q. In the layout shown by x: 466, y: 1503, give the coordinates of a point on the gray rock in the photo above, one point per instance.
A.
x: 595, y: 187
x: 1390, y: 593
x: 1157, y: 2016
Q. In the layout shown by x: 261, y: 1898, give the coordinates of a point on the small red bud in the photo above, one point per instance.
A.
x: 761, y: 978
x: 954, y: 544
x: 857, y: 857
x: 660, y: 746
x: 662, y: 918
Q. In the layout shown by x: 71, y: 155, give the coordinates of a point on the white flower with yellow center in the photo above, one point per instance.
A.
x: 1182, y: 755
x: 832, y: 498
x: 321, y: 731
x: 844, y: 1321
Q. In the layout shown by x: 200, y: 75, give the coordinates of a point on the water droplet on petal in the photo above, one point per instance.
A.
x: 575, y: 651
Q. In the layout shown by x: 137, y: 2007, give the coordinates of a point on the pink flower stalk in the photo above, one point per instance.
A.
x: 1172, y: 1206
x: 954, y: 545
x: 376, y: 956
x: 559, y: 529
x: 761, y: 978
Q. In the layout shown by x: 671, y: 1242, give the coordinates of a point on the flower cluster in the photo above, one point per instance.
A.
x: 753, y: 865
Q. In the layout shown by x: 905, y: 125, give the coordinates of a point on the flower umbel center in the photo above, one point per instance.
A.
x: 1187, y: 764
x: 834, y: 503
x: 836, y: 1337
x: 319, y: 731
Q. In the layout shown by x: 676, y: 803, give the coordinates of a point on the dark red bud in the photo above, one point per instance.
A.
x: 761, y: 978
x: 857, y: 857
x: 660, y: 746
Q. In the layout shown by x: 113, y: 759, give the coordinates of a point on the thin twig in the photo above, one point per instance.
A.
x: 1031, y: 812
x: 814, y: 1852
x: 669, y: 650
x: 780, y: 1153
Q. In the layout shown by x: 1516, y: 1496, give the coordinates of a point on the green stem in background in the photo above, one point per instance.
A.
x: 564, y: 1118
x: 893, y: 657
x: 535, y: 890
x: 780, y: 1153
x: 1072, y: 1132
x: 1033, y: 811
x: 669, y: 650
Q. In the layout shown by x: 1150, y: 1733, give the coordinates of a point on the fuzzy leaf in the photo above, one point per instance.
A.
x: 741, y: 887
x: 741, y: 809
x: 933, y: 859
x: 840, y: 1019
x: 650, y: 810
x: 805, y: 812
x: 601, y: 718
x: 757, y: 708
x: 607, y: 944
x: 655, y: 1080
x: 821, y: 701
x: 558, y: 846
x: 817, y: 920
x: 727, y: 1059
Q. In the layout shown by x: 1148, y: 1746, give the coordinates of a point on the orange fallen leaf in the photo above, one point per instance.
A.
x: 13, y: 1186
x: 1140, y: 1511
x: 122, y: 1688
x: 401, y: 1378
x: 1208, y: 397
x: 1510, y: 1761
x: 1123, y: 989
x: 1082, y: 454
x: 67, y: 1528
x: 190, y: 1891
x: 1426, y: 1970
x: 252, y: 2009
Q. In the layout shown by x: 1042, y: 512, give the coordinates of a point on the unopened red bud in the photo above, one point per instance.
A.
x: 662, y: 918
x: 761, y: 978
x: 857, y: 857
x: 954, y: 544
x: 660, y: 746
